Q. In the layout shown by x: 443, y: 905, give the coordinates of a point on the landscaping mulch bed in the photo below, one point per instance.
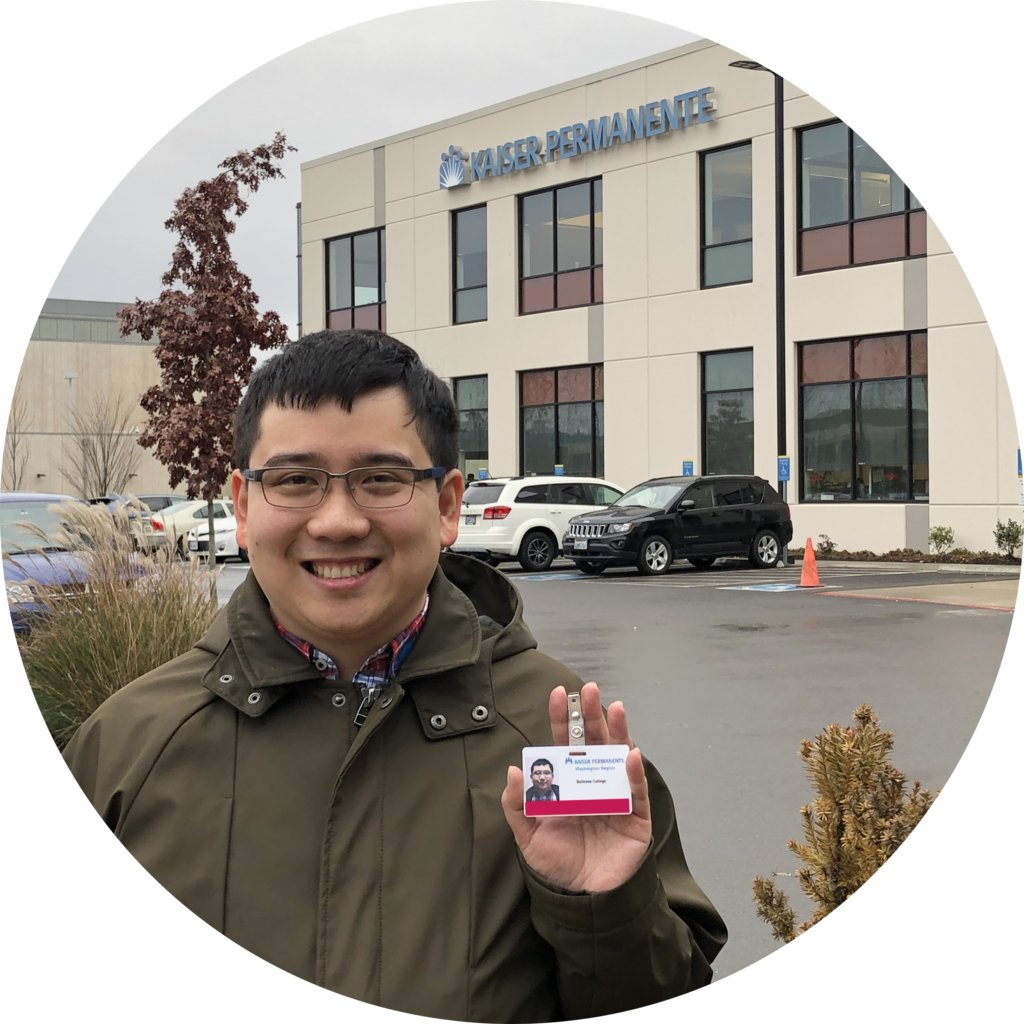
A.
x: 956, y: 557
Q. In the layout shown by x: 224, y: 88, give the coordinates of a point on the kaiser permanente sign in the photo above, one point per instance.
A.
x: 655, y: 118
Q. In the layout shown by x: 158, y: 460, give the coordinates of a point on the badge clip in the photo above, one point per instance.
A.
x: 576, y: 734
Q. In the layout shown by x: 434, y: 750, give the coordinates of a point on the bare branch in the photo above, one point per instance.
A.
x: 16, y: 448
x: 103, y: 447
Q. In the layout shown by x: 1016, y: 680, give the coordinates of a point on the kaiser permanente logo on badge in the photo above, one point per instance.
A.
x: 566, y: 781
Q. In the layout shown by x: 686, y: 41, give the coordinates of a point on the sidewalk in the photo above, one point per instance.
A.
x: 996, y: 595
x: 1008, y: 570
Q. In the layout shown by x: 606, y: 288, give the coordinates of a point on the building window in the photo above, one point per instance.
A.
x: 864, y: 419
x: 471, y: 401
x: 727, y: 387
x: 561, y: 419
x: 727, y: 255
x: 469, y: 273
x: 357, y: 281
x: 853, y: 208
x: 561, y: 248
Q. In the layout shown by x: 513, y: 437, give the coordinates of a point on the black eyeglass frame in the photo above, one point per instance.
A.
x: 433, y: 473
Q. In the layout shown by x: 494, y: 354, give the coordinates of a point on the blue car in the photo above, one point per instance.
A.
x: 45, y: 565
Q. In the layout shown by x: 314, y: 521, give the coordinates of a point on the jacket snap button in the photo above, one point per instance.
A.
x: 320, y: 664
x: 386, y: 701
x: 226, y: 678
x: 439, y: 721
x: 479, y: 713
x: 338, y: 700
x: 255, y: 698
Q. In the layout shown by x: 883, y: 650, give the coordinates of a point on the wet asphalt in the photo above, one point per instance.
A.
x: 722, y: 684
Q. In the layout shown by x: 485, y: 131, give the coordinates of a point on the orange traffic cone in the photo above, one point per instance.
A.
x: 809, y: 573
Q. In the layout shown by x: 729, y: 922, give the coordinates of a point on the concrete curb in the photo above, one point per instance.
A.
x: 1009, y: 570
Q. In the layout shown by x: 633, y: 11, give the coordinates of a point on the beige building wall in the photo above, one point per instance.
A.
x: 655, y: 320
x: 104, y: 369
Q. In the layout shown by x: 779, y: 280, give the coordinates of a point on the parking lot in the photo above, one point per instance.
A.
x: 722, y: 682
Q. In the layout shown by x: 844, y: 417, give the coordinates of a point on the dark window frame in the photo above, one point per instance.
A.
x: 853, y: 381
x: 704, y: 402
x: 851, y: 219
x: 456, y: 290
x: 381, y: 302
x: 555, y: 272
x: 703, y: 215
x: 593, y: 367
x: 476, y: 408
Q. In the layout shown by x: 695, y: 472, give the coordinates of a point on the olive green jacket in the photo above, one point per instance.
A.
x: 377, y: 862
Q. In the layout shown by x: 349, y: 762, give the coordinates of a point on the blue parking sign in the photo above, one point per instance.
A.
x: 783, y: 469
x: 687, y: 469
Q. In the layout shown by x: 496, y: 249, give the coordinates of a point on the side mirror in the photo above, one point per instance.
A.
x: 686, y: 504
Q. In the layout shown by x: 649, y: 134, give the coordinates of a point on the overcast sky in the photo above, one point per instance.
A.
x: 345, y: 89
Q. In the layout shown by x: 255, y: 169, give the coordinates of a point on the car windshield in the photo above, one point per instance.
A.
x: 649, y: 496
x: 482, y: 493
x: 17, y: 516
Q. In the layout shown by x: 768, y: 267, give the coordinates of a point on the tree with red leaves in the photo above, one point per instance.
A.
x: 208, y: 325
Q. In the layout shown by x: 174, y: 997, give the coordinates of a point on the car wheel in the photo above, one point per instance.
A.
x: 495, y: 560
x: 765, y: 551
x: 592, y: 568
x: 537, y: 551
x: 655, y: 556
x: 701, y: 563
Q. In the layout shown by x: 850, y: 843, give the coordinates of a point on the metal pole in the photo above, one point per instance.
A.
x: 780, y: 285
x: 298, y: 254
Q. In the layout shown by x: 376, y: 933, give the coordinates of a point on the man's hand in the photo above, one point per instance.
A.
x: 593, y: 853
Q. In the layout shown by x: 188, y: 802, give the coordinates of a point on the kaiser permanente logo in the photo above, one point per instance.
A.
x: 656, y: 118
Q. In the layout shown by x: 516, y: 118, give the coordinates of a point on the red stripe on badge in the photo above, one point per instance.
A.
x: 548, y: 808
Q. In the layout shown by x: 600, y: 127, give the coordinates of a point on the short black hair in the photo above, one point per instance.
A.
x: 542, y: 760
x: 341, y: 366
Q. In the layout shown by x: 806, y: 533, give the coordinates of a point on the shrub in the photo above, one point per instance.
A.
x: 128, y: 614
x: 1009, y: 536
x: 941, y: 538
x: 861, y: 814
x: 826, y: 545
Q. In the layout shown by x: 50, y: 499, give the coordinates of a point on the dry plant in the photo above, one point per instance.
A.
x: 103, y: 450
x: 124, y: 614
x: 16, y: 442
x: 861, y: 815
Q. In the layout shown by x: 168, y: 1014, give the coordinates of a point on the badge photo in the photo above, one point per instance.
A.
x: 571, y: 781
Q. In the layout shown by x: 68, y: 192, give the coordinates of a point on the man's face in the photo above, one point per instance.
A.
x: 542, y: 775
x: 338, y: 575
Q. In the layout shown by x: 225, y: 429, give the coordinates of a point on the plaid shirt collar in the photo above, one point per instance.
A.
x: 379, y: 669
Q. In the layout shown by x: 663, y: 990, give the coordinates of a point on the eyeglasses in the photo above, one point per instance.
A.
x: 371, y: 487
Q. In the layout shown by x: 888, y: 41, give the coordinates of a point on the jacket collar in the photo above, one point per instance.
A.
x: 447, y: 673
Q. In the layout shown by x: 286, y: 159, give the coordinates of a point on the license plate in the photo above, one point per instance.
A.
x: 193, y: 545
x: 580, y: 545
x: 471, y: 520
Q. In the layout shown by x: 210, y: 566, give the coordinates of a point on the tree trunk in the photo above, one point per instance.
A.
x: 211, y: 549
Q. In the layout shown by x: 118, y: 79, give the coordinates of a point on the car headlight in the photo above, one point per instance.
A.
x: 620, y: 527
x: 19, y: 593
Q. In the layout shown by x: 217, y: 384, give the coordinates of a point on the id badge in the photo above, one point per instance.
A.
x: 572, y: 781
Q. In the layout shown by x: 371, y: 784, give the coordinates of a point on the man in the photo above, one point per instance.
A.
x: 542, y: 775
x: 325, y: 778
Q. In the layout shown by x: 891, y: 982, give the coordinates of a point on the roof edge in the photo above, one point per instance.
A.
x: 551, y: 90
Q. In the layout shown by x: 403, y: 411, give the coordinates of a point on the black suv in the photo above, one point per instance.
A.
x: 699, y: 518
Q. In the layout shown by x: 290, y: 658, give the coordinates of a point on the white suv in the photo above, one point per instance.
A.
x: 525, y: 517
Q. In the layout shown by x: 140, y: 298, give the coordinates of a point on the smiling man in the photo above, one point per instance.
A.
x: 326, y: 777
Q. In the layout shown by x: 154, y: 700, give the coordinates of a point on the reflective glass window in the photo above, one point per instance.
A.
x: 727, y: 252
x: 469, y: 240
x: 560, y: 422
x: 728, y: 405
